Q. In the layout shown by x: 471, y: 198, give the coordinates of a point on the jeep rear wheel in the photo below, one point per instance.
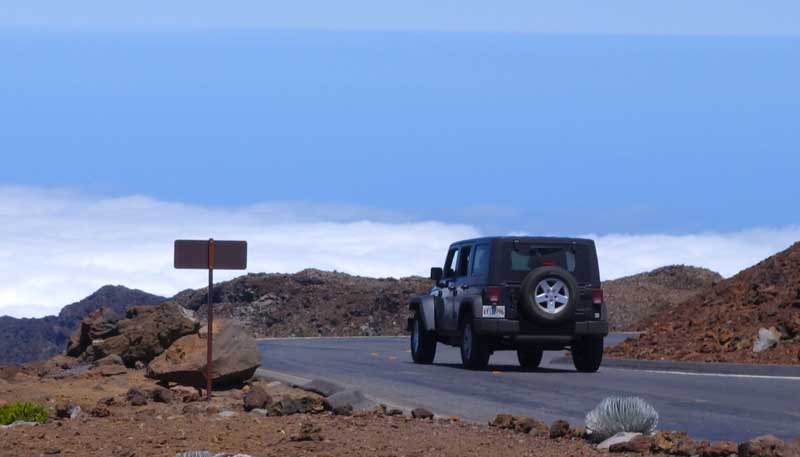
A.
x: 423, y: 342
x: 530, y: 358
x: 474, y: 351
x: 587, y: 354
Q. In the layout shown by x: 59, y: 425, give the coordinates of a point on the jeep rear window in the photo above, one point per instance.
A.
x: 518, y: 261
x: 523, y: 259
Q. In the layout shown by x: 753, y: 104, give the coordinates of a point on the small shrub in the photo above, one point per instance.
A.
x: 22, y: 411
x: 621, y: 414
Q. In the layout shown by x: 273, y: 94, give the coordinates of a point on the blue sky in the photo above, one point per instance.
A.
x: 504, y: 131
x: 637, y: 119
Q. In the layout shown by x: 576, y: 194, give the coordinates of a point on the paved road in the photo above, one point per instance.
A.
x: 710, y: 407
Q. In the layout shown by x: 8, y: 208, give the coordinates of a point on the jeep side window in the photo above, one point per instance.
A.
x: 463, y: 261
x: 480, y: 266
x: 450, y: 262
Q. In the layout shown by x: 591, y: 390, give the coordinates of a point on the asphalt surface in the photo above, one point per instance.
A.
x: 709, y: 406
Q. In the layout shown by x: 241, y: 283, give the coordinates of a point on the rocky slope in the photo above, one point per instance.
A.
x: 634, y: 298
x: 311, y: 303
x: 25, y: 340
x: 722, y: 323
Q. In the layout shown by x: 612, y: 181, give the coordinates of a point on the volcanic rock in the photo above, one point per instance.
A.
x: 136, y: 396
x: 256, y: 398
x: 236, y: 358
x: 67, y: 410
x: 718, y: 449
x: 767, y: 338
x: 675, y: 443
x: 352, y: 398
x: 101, y: 323
x: 559, y: 429
x: 296, y: 405
x: 112, y: 359
x: 421, y: 413
x: 502, y: 420
x: 767, y: 446
x: 162, y: 395
x: 146, y: 333
x: 112, y: 370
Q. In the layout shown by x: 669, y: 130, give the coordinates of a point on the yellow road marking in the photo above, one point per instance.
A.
x: 391, y: 357
x: 375, y: 354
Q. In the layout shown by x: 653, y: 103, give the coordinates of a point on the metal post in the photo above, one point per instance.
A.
x: 209, y: 340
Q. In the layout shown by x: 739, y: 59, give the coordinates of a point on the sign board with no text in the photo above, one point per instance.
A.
x: 210, y: 255
x: 226, y: 255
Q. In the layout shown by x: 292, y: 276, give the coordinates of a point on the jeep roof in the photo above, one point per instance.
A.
x: 587, y: 271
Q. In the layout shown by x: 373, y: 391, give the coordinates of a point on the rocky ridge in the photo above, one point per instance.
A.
x: 311, y: 303
x: 26, y: 340
x: 635, y: 298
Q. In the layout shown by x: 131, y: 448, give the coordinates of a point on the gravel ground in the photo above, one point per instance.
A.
x: 158, y: 429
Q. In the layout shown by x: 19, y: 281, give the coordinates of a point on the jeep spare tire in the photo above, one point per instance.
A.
x: 549, y: 295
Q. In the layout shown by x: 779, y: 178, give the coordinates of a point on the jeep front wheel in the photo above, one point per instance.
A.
x: 423, y: 342
x: 474, y: 351
x: 530, y: 359
x: 587, y: 354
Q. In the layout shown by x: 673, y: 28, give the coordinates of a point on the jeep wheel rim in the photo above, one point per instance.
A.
x: 551, y: 295
x: 466, y: 344
x: 415, y: 336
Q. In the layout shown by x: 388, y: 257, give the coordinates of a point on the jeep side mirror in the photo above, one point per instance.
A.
x: 436, y: 274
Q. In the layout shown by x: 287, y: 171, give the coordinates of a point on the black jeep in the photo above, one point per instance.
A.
x: 527, y: 294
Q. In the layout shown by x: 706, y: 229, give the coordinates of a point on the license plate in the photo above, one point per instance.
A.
x: 494, y: 311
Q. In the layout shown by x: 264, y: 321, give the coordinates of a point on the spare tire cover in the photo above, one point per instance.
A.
x: 549, y: 295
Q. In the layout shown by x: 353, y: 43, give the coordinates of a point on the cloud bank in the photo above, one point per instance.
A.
x: 57, y: 247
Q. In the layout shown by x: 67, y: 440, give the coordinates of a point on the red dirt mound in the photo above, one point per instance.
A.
x: 633, y: 299
x: 722, y: 323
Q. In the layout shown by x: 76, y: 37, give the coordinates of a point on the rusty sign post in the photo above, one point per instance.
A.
x: 210, y: 254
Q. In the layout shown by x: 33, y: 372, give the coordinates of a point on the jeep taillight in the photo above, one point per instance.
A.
x: 549, y: 263
x: 493, y: 294
x: 597, y: 296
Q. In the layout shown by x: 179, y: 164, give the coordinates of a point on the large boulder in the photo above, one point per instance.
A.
x: 236, y: 357
x: 100, y: 323
x: 147, y: 332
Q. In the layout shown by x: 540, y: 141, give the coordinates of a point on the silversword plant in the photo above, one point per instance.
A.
x: 621, y: 414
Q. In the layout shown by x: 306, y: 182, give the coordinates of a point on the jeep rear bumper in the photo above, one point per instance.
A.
x: 509, y: 327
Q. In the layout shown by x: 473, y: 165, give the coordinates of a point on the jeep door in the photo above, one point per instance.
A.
x: 459, y: 287
x: 478, y: 276
x: 444, y: 306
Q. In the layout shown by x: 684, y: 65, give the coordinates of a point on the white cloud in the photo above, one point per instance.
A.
x: 726, y: 253
x: 56, y: 247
